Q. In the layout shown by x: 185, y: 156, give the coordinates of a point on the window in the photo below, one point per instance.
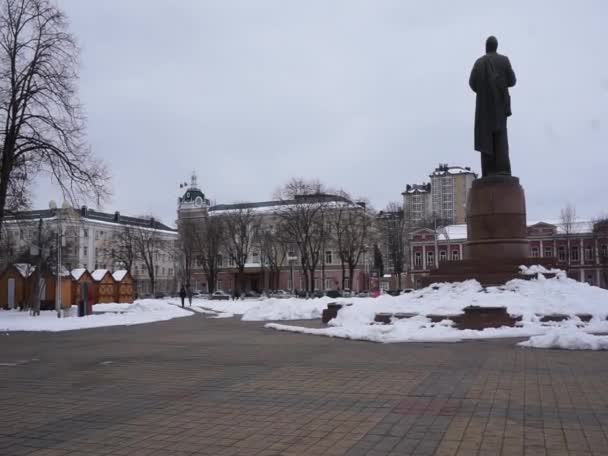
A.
x: 85, y: 251
x: 442, y: 256
x: 85, y: 233
x: 455, y: 254
x: 163, y: 271
x: 317, y: 284
x: 346, y: 283
x: 328, y: 257
x: 21, y: 235
x: 96, y: 265
x: 588, y: 253
x: 219, y: 285
x: 430, y: 258
x: 170, y: 271
x: 548, y: 251
x: 417, y: 259
x: 156, y: 270
x: 289, y: 284
x: 561, y: 253
x: 574, y: 253
x: 255, y: 256
x: 219, y: 261
x: 535, y: 252
x: 604, y: 250
x: 328, y: 284
x: 99, y: 235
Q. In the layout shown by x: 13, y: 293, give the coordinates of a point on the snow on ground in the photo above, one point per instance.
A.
x: 141, y: 311
x: 263, y: 309
x: 568, y: 339
x: 531, y: 299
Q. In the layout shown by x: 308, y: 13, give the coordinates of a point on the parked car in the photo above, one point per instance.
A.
x: 252, y: 294
x: 347, y: 293
x: 159, y: 295
x: 407, y: 290
x: 362, y: 294
x: 219, y: 296
x: 334, y: 294
x: 281, y: 294
x: 201, y: 295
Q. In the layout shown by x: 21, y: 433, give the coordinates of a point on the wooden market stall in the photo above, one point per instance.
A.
x: 14, y: 286
x: 124, y: 287
x: 79, y: 278
x: 104, y: 286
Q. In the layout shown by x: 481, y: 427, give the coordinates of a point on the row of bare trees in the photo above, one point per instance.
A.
x: 305, y: 223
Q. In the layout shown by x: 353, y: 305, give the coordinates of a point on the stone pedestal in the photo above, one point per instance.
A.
x: 496, y: 220
x: 497, y: 241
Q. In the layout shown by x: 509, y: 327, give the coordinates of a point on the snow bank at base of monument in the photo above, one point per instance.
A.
x: 532, y: 299
x: 568, y: 339
x: 141, y: 311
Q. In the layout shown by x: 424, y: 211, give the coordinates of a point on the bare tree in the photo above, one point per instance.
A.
x: 121, y: 249
x: 567, y: 223
x: 393, y: 228
x: 274, y: 246
x: 210, y: 242
x: 42, y: 124
x: 303, y: 219
x: 148, y: 245
x: 189, y: 232
x: 352, y: 225
x: 241, y: 229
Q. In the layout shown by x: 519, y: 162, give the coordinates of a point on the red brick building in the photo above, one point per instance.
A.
x: 583, y: 252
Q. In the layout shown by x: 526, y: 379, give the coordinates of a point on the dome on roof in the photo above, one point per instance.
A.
x: 193, y: 197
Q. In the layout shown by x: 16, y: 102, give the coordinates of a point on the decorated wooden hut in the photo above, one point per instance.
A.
x: 124, y: 286
x: 79, y: 278
x: 104, y: 286
x: 49, y: 290
x: 14, y: 285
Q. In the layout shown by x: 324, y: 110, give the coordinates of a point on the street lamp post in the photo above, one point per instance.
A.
x: 52, y: 205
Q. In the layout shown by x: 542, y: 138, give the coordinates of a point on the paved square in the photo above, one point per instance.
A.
x: 196, y: 386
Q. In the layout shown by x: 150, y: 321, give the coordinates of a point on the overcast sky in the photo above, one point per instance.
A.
x: 367, y: 96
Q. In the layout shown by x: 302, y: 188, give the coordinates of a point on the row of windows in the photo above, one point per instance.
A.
x: 430, y: 257
x: 574, y: 252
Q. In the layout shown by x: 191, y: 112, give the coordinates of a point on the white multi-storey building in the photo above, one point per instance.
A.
x: 90, y: 239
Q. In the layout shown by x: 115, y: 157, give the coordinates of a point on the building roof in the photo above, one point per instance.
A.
x: 93, y: 215
x: 452, y: 232
x: 444, y: 170
x: 120, y: 274
x: 417, y: 188
x: 77, y: 273
x: 275, y: 205
x: 99, y: 274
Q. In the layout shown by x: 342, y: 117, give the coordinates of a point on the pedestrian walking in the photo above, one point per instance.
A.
x: 182, y: 294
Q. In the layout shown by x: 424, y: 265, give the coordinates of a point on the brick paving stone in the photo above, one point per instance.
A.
x: 199, y: 386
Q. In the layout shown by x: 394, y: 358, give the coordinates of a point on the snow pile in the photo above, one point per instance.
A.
x: 142, y: 311
x: 267, y: 309
x: 530, y: 299
x: 569, y: 339
x: 536, y: 269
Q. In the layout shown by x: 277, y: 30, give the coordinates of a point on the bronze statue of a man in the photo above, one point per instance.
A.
x: 490, y: 79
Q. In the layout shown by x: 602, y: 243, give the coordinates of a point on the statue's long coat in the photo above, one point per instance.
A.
x: 490, y: 79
